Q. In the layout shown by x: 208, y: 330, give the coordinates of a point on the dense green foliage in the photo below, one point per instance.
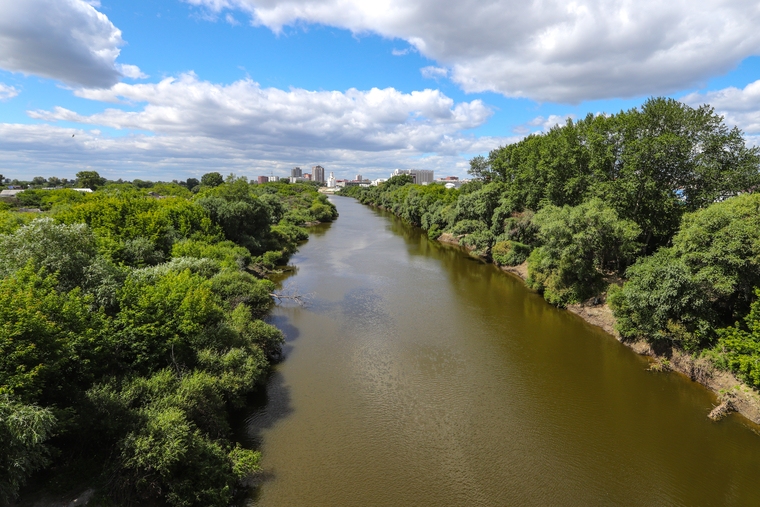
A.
x: 738, y: 346
x: 661, y: 195
x: 129, y: 332
x: 703, y: 282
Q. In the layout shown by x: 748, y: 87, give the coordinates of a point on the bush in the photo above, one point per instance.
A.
x: 510, y: 253
x: 468, y: 227
x: 739, y: 346
x: 578, y: 242
x: 236, y: 287
x: 23, y: 432
x: 659, y: 294
x: 57, y: 248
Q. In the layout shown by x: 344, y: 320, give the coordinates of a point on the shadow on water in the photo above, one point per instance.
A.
x: 267, y: 406
x: 289, y: 331
x: 271, y: 403
x: 319, y: 229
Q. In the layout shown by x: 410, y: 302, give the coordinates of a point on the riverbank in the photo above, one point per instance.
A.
x: 732, y: 393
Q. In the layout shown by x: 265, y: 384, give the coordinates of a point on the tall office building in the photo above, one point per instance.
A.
x: 419, y: 176
x: 318, y: 173
x: 296, y: 172
x: 358, y: 177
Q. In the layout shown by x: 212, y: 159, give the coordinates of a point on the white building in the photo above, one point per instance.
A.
x: 419, y: 176
x: 378, y: 181
x: 331, y: 181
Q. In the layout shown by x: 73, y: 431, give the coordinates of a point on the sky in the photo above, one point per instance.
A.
x: 173, y: 89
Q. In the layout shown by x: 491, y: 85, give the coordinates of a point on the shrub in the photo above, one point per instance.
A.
x: 510, y: 253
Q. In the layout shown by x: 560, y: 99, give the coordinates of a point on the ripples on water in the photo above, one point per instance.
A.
x: 419, y: 376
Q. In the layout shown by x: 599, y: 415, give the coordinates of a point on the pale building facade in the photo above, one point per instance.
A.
x: 419, y: 176
x: 318, y: 173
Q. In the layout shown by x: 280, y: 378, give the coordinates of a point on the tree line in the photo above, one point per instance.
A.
x: 130, y: 332
x: 663, y: 195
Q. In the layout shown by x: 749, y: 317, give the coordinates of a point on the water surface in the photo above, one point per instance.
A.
x: 419, y: 376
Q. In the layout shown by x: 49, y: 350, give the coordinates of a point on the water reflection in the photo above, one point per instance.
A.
x: 419, y: 376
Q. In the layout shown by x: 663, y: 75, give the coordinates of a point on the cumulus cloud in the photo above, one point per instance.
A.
x: 739, y: 106
x: 432, y: 72
x: 67, y: 40
x: 373, y: 120
x: 236, y: 127
x: 132, y: 71
x: 548, y: 51
x: 7, y: 92
x: 52, y: 150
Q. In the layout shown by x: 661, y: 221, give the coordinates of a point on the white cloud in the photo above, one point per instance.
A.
x: 548, y: 51
x: 51, y: 150
x: 373, y: 120
x: 739, y: 107
x: 131, y: 71
x: 432, y: 72
x: 229, y: 18
x: 400, y: 52
x: 243, y: 127
x: 7, y: 92
x: 67, y: 40
x: 547, y: 123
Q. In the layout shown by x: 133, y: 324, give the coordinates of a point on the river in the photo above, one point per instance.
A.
x: 420, y: 376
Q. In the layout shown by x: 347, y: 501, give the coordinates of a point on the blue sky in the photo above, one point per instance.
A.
x: 171, y: 89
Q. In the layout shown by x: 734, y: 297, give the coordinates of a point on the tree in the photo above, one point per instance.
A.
x: 39, y: 181
x: 89, y: 179
x: 212, y: 179
x: 739, y: 346
x: 23, y: 432
x: 64, y: 250
x: 579, y: 242
x: 191, y: 183
x: 705, y: 281
x: 480, y: 168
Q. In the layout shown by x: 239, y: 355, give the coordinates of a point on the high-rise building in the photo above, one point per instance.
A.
x: 358, y: 177
x: 263, y: 179
x: 419, y: 176
x: 331, y: 180
x: 296, y: 172
x: 318, y: 173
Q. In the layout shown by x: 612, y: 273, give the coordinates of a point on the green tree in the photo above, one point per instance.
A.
x: 89, y: 179
x: 49, y: 340
x: 64, y: 250
x: 212, y: 179
x: 23, y: 432
x: 578, y: 244
x: 703, y: 282
x: 480, y: 168
x: 739, y: 346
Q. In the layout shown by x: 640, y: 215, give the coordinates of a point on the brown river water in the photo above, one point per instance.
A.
x: 420, y: 376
